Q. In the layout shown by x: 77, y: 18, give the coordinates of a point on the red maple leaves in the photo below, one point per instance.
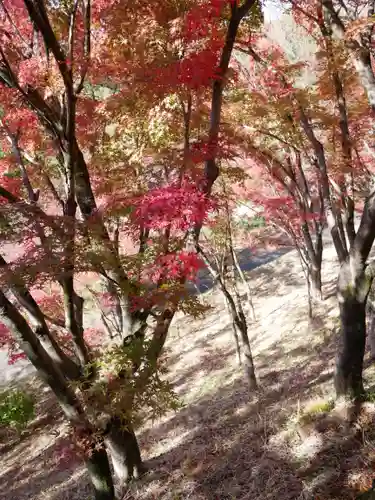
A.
x: 172, y: 206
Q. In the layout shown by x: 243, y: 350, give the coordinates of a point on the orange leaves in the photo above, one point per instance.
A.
x: 357, y: 27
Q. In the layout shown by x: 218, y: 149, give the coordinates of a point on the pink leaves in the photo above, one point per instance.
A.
x: 50, y: 303
x: 7, y: 342
x: 30, y: 71
x: 93, y: 337
x: 175, y: 266
x: 5, y: 337
x: 177, y: 207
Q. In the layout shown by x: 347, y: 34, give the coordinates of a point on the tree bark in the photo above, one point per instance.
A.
x: 309, y: 295
x: 26, y: 300
x: 349, y: 364
x: 354, y: 284
x: 371, y: 323
x: 330, y: 208
x: 97, y: 465
x: 248, y: 357
x: 124, y: 450
x: 239, y: 319
x: 239, y: 322
x: 360, y: 53
x: 235, y: 333
x: 316, y: 281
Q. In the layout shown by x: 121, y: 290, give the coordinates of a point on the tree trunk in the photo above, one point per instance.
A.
x: 97, y: 462
x: 309, y: 296
x: 123, y: 447
x: 371, y: 333
x: 354, y: 284
x: 371, y: 323
x: 316, y: 282
x: 235, y: 333
x: 239, y: 321
x: 349, y: 363
x: 97, y: 465
x: 248, y: 357
x: 243, y: 279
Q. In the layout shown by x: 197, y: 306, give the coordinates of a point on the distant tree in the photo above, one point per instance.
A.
x: 285, y: 181
x: 217, y: 248
x: 326, y: 122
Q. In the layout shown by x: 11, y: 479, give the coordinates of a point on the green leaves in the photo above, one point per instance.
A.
x: 13, y: 174
x: 16, y: 408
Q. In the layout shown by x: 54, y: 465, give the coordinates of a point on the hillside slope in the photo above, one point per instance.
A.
x: 226, y: 443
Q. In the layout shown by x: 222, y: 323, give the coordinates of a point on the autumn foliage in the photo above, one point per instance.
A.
x: 109, y: 138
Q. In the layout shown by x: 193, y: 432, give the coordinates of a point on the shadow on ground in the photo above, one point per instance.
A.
x: 35, y: 462
x: 226, y: 445
x: 248, y: 261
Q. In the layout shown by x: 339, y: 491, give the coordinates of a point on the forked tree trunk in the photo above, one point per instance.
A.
x: 239, y: 323
x: 97, y: 463
x: 314, y: 287
x: 235, y: 333
x: 125, y: 454
x: 239, y: 319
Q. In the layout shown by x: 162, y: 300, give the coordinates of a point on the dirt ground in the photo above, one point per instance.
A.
x: 226, y: 443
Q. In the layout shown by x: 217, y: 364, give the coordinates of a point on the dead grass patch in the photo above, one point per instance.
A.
x: 225, y: 443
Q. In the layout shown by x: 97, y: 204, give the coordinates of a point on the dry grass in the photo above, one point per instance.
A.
x: 226, y: 443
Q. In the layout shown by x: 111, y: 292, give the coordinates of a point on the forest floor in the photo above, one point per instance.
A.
x: 226, y: 443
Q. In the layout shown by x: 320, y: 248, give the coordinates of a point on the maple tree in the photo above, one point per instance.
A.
x: 282, y: 177
x: 310, y: 150
x: 343, y: 31
x: 322, y: 131
x: 217, y: 248
x: 97, y: 196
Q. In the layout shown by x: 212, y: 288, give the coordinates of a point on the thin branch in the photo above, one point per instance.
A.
x: 13, y: 139
x: 297, y: 7
x: 46, y: 177
x: 39, y: 17
x: 72, y: 22
x: 86, y: 43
